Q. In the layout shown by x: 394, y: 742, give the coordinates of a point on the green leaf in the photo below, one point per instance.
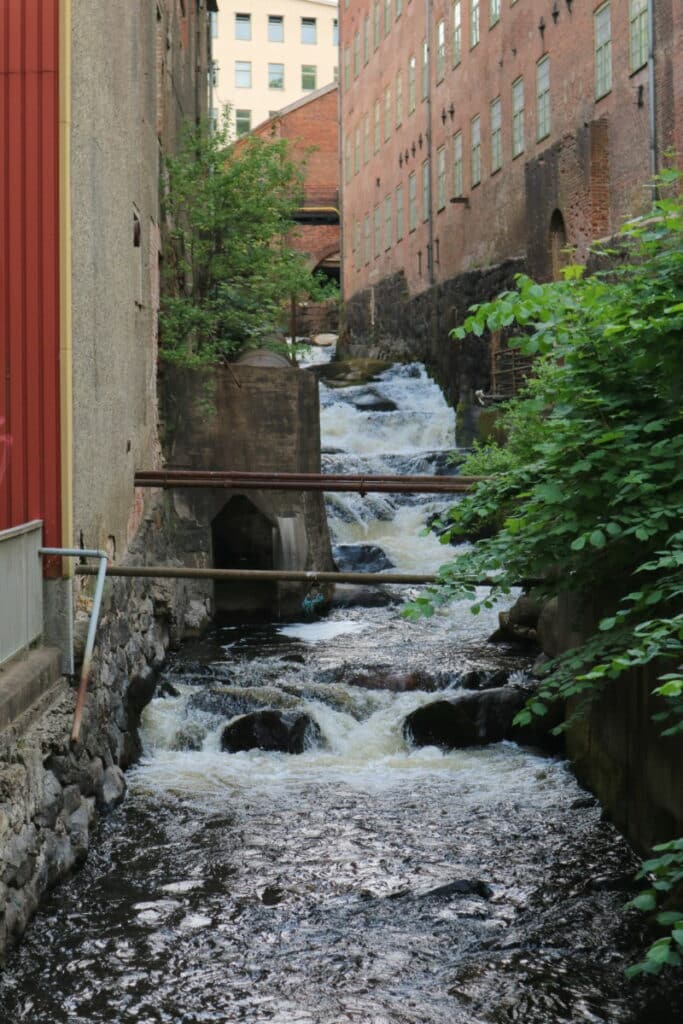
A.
x: 597, y: 539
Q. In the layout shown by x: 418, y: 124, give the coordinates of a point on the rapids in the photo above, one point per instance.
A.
x: 361, y: 881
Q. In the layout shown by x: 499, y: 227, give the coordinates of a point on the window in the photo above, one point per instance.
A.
x: 425, y: 69
x: 399, y: 99
x: 388, y: 225
x: 474, y: 22
x: 213, y: 21
x: 356, y: 55
x: 377, y: 224
x: 242, y: 121
x: 457, y: 32
x: 399, y: 8
x: 309, y: 74
x: 366, y: 236
x: 366, y: 139
x: 426, y: 192
x: 603, y: 51
x: 375, y: 24
x: 441, y: 178
x: 366, y: 39
x: 309, y: 30
x: 412, y: 201
x: 387, y: 113
x: 243, y: 74
x: 518, y: 117
x: 356, y: 150
x: 376, y: 128
x: 335, y: 42
x: 494, y: 12
x: 496, y: 144
x: 335, y: 74
x: 457, y: 164
x: 347, y: 68
x: 399, y: 213
x: 440, y: 50
x: 387, y: 17
x: 356, y: 246
x: 411, y: 85
x: 276, y: 28
x: 475, y: 139
x: 276, y: 76
x: 213, y: 72
x: 347, y: 159
x: 638, y: 33
x: 543, y: 98
x: 243, y: 26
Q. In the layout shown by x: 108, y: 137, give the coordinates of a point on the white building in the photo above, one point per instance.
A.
x: 269, y: 53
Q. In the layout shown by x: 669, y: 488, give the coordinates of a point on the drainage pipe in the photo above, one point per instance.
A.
x: 101, y: 572
x: 651, y: 98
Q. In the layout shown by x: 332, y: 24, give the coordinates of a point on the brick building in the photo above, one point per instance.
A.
x: 481, y: 137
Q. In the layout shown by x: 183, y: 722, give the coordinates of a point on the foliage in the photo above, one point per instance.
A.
x: 665, y: 873
x: 591, y: 496
x: 229, y: 265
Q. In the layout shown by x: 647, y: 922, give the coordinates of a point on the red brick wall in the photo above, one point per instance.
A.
x: 591, y: 167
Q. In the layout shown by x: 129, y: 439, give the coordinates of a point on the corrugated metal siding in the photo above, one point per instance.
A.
x: 29, y: 265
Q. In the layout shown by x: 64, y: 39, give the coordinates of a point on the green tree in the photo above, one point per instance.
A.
x: 589, y: 492
x: 229, y: 265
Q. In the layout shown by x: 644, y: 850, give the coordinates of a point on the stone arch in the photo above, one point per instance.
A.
x: 557, y: 245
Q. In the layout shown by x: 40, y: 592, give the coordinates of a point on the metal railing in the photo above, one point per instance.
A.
x: 21, y: 588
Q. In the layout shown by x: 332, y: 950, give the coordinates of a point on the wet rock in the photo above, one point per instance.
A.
x: 352, y: 595
x: 167, y: 689
x: 197, y: 619
x: 360, y: 558
x: 525, y: 611
x: 483, y: 679
x: 350, y: 372
x: 189, y: 737
x: 583, y: 802
x: 548, y: 628
x: 112, y: 789
x: 395, y: 682
x: 141, y: 688
x: 270, y: 730
x: 373, y: 401
x: 510, y: 632
x: 460, y: 887
x: 272, y: 895
x: 471, y: 720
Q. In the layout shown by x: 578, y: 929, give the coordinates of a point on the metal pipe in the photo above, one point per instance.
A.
x: 307, y: 482
x: 101, y: 572
x: 651, y: 99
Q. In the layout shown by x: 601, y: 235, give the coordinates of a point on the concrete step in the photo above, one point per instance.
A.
x: 25, y: 679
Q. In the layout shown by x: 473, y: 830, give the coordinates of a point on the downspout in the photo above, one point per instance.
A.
x: 340, y: 166
x: 65, y: 286
x: 92, y: 625
x: 428, y: 101
x: 652, y: 107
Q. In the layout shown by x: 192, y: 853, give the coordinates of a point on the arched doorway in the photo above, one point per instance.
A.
x: 557, y: 245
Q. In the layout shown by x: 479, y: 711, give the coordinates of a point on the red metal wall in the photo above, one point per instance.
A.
x: 29, y: 265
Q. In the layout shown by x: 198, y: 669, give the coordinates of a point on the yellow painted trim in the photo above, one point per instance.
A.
x: 65, y: 292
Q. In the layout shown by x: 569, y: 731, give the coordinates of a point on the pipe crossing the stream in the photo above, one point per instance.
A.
x: 360, y: 483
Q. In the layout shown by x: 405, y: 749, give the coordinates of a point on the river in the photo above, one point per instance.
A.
x: 362, y: 880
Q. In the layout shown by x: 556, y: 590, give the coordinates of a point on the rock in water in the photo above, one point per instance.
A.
x: 270, y: 730
x: 360, y: 558
x: 471, y: 720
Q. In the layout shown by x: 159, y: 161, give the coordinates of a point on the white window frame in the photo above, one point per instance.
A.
x: 602, y: 21
x: 639, y: 35
x: 496, y: 117
x: 518, y: 116
x: 543, y: 98
x: 475, y: 149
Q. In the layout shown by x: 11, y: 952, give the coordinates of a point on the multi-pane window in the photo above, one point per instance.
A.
x: 376, y: 127
x: 399, y: 213
x: 366, y: 139
x: 425, y: 69
x: 426, y: 191
x: 440, y: 50
x: 387, y: 17
x: 387, y: 113
x: 494, y: 11
x: 638, y: 33
x: 399, y: 99
x: 356, y: 150
x: 518, y: 117
x: 356, y: 55
x: 335, y: 37
x: 388, y: 227
x: 603, y: 50
x: 412, y: 201
x: 375, y: 24
x: 356, y: 246
x: 243, y: 26
x: 457, y: 164
x: 347, y: 159
x: 276, y: 76
x: 496, y: 145
x: 377, y: 224
x: 276, y: 28
x: 457, y: 32
x: 347, y: 68
x: 411, y: 84
x: 441, y: 178
x: 213, y: 22
x: 309, y: 30
x: 366, y: 236
x: 474, y: 22
x: 366, y: 39
x: 243, y: 74
x: 543, y: 98
x: 242, y: 121
x: 475, y: 143
x: 309, y: 74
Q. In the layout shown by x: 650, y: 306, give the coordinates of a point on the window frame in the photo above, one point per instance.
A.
x: 243, y: 67
x: 242, y: 18
x: 308, y: 24
x: 475, y: 150
x: 603, y: 50
x: 458, y: 165
x: 456, y: 35
x: 274, y: 21
x: 311, y: 70
x: 475, y: 23
x: 543, y: 110
x: 496, y: 122
x: 272, y: 75
x: 638, y: 34
x: 517, y: 117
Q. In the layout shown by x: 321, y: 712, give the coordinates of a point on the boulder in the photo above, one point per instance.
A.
x: 473, y: 719
x: 360, y: 558
x: 460, y: 887
x: 270, y: 730
x: 395, y: 682
x: 373, y: 401
x: 189, y: 736
x: 324, y: 340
